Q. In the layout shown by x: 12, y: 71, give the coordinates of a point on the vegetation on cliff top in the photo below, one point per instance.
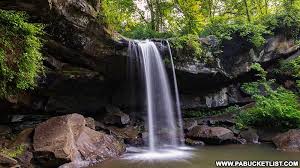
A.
x: 20, y: 56
x: 252, y: 20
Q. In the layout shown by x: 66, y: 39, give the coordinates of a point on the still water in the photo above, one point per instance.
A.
x: 205, y: 157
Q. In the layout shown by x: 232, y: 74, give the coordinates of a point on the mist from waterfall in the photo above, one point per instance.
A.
x: 164, y: 122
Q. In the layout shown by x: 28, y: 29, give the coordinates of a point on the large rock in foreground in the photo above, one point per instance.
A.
x: 212, y: 135
x: 288, y: 141
x: 66, y: 139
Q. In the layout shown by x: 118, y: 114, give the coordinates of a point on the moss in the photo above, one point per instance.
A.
x: 15, y: 152
x: 20, y: 56
x: 209, y: 112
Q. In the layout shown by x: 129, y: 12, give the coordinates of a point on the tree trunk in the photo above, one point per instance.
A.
x: 247, y: 11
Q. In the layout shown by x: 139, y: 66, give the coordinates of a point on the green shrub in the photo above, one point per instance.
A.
x: 20, y: 57
x: 275, y: 107
x: 283, y: 22
x: 279, y: 109
x: 207, y: 113
x: 145, y: 32
x: 189, y: 44
x: 225, y: 29
x: 291, y: 67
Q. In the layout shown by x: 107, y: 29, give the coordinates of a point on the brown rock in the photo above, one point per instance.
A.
x: 66, y: 139
x: 211, y: 135
x: 131, y: 135
x: 6, y: 161
x: 288, y: 141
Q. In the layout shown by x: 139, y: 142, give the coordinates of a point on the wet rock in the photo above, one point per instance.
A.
x: 250, y: 136
x: 288, y: 141
x: 211, y: 135
x: 191, y: 142
x: 66, y: 139
x: 130, y: 135
x: 116, y: 116
x: 8, y: 162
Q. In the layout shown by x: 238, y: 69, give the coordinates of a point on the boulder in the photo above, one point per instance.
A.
x: 250, y: 136
x: 129, y: 134
x: 212, y: 135
x: 116, y: 116
x: 6, y: 161
x: 288, y: 141
x: 66, y: 139
x: 188, y: 124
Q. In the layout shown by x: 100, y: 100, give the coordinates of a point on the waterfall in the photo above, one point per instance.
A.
x: 178, y: 109
x: 162, y: 116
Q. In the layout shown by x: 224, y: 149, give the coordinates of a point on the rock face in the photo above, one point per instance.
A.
x: 83, y: 59
x: 86, y: 63
x: 211, y: 135
x: 288, y: 141
x: 66, y: 139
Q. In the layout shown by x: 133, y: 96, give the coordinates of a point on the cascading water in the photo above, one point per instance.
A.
x: 178, y: 109
x: 162, y: 119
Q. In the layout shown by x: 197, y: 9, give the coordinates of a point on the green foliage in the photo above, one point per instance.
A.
x: 189, y: 43
x: 291, y: 67
x: 207, y: 113
x: 275, y: 107
x: 145, y: 32
x: 225, y: 29
x: 20, y: 57
x: 283, y: 22
x: 279, y: 109
x: 15, y: 152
